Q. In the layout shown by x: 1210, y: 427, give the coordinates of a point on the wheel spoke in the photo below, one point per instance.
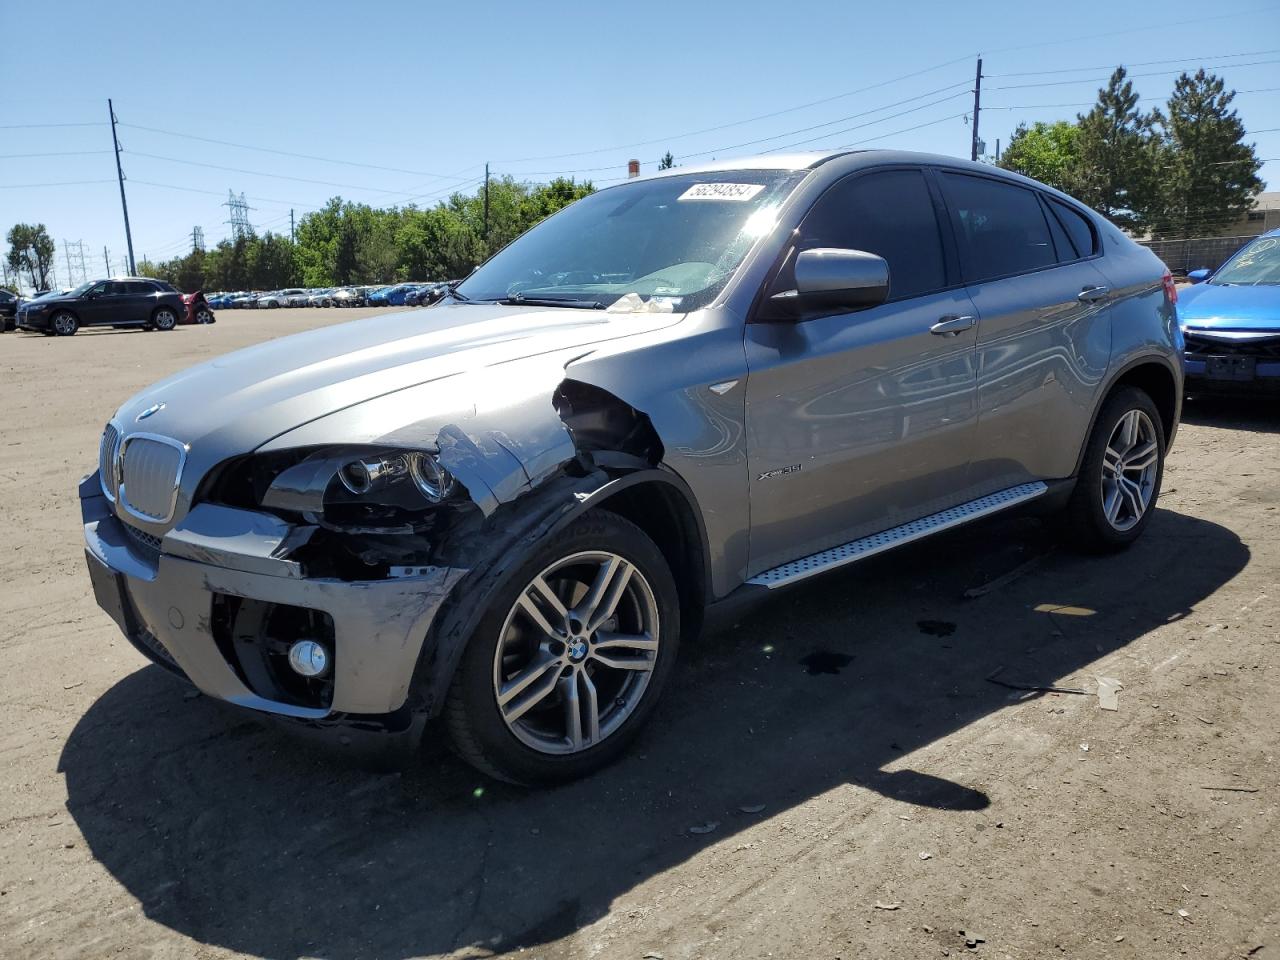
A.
x: 1141, y: 458
x: 603, y: 598
x: 534, y: 612
x: 529, y: 688
x: 1133, y: 495
x: 591, y: 703
x: 572, y: 711
x: 1111, y: 503
x: 619, y: 662
x: 626, y: 641
x: 1129, y: 430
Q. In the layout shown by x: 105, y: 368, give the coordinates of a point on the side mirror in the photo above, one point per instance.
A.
x: 1199, y: 276
x: 832, y: 280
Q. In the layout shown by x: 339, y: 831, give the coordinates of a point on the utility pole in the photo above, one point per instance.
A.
x: 486, y: 201
x: 66, y: 249
x: 106, y: 260
x: 128, y: 234
x: 977, y: 108
x: 291, y: 239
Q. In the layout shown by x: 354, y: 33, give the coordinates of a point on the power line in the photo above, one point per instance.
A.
x: 738, y: 123
x: 1158, y: 73
x: 55, y: 183
x: 60, y: 153
x: 45, y: 126
x: 260, y: 173
x: 287, y: 153
x: 1141, y: 63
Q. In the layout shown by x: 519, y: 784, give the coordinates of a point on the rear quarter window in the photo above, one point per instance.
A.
x: 1077, y: 227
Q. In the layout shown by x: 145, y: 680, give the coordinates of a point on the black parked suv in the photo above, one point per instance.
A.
x: 8, y: 310
x: 119, y: 302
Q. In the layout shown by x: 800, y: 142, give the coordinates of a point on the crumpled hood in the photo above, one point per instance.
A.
x: 238, y: 402
x: 1211, y: 306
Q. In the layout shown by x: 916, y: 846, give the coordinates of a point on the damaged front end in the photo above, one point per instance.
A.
x: 374, y: 557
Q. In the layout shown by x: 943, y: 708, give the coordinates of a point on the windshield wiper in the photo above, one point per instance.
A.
x: 520, y: 300
x: 460, y: 297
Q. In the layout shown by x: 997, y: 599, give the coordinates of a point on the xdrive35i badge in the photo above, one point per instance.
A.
x: 781, y: 471
x: 150, y: 411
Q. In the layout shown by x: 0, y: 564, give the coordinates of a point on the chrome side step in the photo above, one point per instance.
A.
x: 805, y: 567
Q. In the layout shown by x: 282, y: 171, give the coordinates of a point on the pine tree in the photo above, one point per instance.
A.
x: 1117, y: 151
x: 1208, y: 174
x: 667, y: 161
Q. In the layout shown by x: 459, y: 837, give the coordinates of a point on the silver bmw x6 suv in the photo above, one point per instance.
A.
x: 509, y: 509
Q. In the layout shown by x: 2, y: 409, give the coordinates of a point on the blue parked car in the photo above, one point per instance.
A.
x: 1231, y: 322
x: 378, y: 296
x: 396, y: 295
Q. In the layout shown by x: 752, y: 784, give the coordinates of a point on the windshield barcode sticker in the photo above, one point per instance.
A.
x: 740, y: 192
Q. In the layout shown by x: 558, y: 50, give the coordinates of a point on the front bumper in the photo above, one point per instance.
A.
x: 1231, y: 373
x: 164, y: 604
x: 34, y: 321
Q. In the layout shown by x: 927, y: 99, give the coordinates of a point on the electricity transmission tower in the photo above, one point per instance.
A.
x: 76, y: 266
x: 197, y: 239
x: 240, y: 225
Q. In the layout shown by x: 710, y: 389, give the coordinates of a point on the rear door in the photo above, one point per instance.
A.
x: 1044, y: 335
x: 860, y: 421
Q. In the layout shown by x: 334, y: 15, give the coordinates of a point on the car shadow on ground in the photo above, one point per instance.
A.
x: 1255, y: 413
x: 242, y: 837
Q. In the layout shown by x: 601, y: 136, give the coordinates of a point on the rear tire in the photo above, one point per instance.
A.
x: 164, y: 319
x: 1120, y: 476
x: 542, y: 652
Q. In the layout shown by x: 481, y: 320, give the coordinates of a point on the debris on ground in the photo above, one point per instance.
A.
x: 1004, y: 579
x: 971, y: 940
x: 1108, y: 693
x: 707, y: 827
x: 1233, y: 789
x: 887, y: 906
x: 924, y: 855
x: 752, y: 808
x: 1033, y: 687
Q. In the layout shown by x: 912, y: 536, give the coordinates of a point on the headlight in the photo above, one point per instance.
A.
x: 432, y: 480
x: 369, y: 475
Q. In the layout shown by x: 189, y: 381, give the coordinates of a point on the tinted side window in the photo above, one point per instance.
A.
x: 1000, y: 227
x: 889, y: 214
x: 136, y: 288
x: 1077, y: 228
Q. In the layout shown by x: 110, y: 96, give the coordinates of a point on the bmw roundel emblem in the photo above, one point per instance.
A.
x: 150, y: 411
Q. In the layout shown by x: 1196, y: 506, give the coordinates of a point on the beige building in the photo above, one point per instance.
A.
x: 1264, y: 216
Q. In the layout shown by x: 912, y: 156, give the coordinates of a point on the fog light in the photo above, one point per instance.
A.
x: 309, y: 658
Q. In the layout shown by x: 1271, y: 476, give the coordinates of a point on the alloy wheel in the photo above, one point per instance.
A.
x: 165, y: 320
x: 1130, y: 465
x: 576, y: 652
x: 64, y: 324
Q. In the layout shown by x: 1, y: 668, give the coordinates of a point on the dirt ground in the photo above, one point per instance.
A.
x: 884, y: 798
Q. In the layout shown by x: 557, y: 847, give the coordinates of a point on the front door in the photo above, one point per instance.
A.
x: 861, y: 421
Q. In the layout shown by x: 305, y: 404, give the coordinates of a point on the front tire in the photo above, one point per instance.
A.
x: 569, y: 661
x: 64, y: 323
x: 164, y: 319
x: 1120, y: 477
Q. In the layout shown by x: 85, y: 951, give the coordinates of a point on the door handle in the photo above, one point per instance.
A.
x: 953, y: 325
x: 1092, y: 294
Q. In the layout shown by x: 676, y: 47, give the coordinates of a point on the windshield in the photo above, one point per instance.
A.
x: 1257, y: 263
x: 80, y: 290
x: 676, y: 240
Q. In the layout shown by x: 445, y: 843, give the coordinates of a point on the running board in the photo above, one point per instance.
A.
x: 814, y: 564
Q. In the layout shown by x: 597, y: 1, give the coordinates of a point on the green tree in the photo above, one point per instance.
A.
x: 1118, y: 154
x: 31, y: 249
x: 1209, y: 175
x: 667, y: 161
x: 1048, y: 152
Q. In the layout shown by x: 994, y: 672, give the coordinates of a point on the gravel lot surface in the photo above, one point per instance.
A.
x: 836, y: 776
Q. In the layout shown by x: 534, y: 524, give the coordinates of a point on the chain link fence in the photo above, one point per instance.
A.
x: 1192, y: 254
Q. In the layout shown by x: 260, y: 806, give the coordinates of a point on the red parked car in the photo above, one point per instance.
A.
x: 198, y: 309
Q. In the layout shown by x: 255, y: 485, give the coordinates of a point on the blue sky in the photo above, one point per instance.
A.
x: 405, y: 101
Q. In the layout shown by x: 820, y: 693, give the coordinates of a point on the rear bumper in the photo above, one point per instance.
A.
x: 164, y: 603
